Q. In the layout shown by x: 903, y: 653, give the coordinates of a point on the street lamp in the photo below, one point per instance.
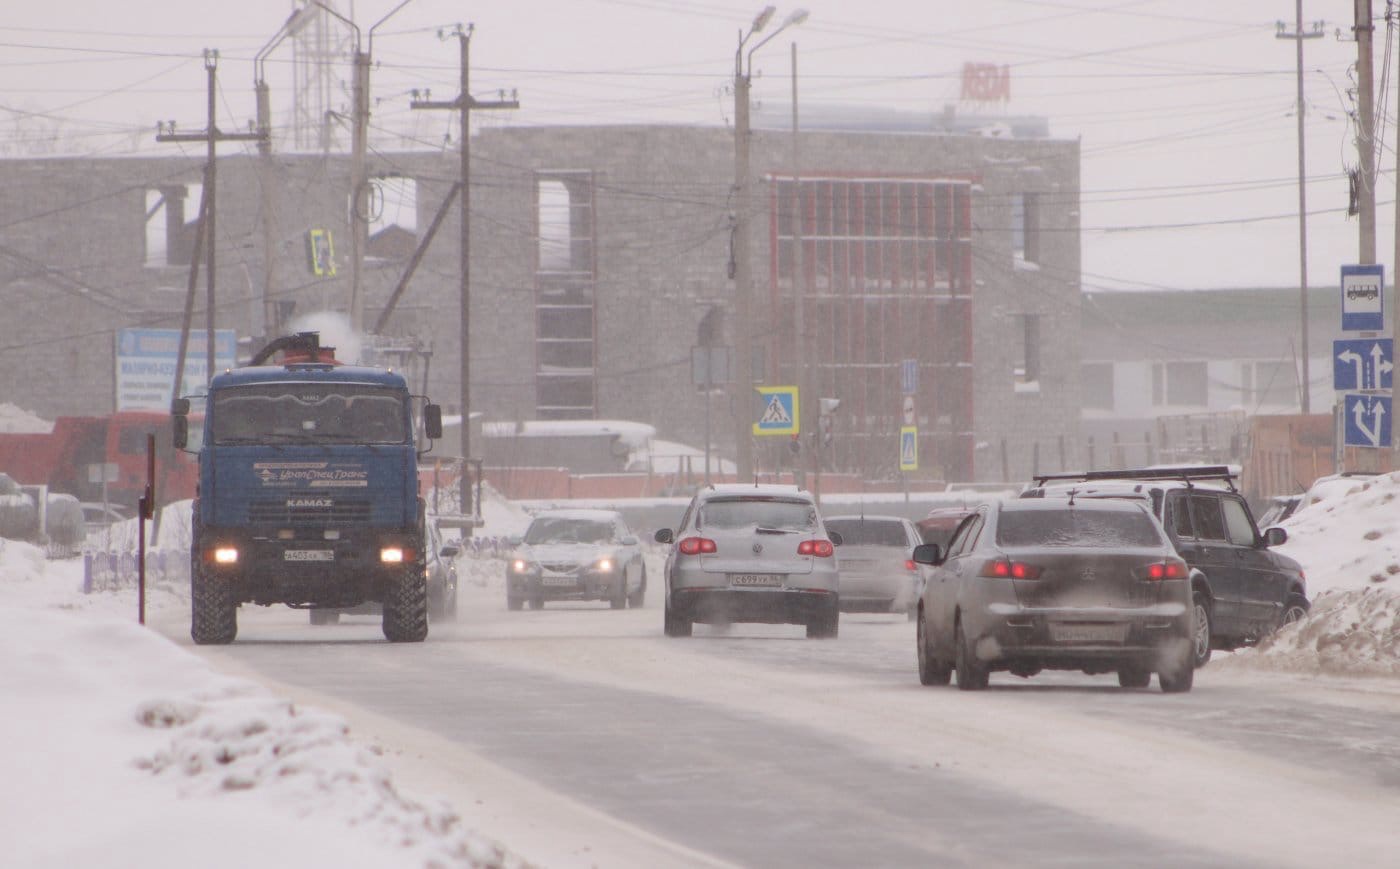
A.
x: 743, y: 279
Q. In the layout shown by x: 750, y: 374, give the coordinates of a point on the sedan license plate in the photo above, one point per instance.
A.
x: 1087, y: 633
x: 309, y: 555
x: 757, y: 579
x: 558, y: 580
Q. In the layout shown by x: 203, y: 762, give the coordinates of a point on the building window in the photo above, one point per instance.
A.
x: 1179, y: 384
x: 1025, y: 227
x: 1268, y: 383
x: 1027, y: 372
x: 1096, y: 381
x: 393, y: 217
x: 172, y: 218
x: 565, y: 280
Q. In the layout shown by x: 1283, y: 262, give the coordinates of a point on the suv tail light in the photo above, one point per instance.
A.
x: 819, y: 548
x: 696, y: 546
x: 1171, y: 568
x: 1005, y: 568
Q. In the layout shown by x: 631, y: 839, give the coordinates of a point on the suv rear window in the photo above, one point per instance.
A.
x: 860, y: 532
x: 789, y: 515
x: 1077, y: 527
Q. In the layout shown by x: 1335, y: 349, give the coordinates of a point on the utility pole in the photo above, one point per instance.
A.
x: 464, y: 103
x: 211, y: 135
x: 1298, y: 36
x: 743, y: 281
x: 1366, y: 141
x: 743, y: 208
x: 806, y: 395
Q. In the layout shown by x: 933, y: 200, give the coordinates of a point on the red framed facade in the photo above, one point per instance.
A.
x: 887, y: 275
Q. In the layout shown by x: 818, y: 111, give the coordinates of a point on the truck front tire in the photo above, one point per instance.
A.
x: 213, y: 611
x: 406, y: 608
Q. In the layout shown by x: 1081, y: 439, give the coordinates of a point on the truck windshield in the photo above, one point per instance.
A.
x: 309, y: 413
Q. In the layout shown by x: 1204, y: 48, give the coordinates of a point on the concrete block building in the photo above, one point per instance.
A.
x: 600, y: 256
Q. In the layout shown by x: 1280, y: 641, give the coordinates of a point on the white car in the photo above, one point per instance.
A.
x: 576, y: 555
x: 752, y: 553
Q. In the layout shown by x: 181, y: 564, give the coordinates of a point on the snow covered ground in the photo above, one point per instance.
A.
x: 124, y: 749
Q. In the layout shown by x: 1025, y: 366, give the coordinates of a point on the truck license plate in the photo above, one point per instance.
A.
x: 309, y: 555
x: 762, y: 579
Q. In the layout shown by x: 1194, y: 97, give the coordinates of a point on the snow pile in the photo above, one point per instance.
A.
x: 153, y: 758
x: 1348, y: 543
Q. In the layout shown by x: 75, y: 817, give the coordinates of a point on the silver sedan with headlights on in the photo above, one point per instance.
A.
x: 751, y: 553
x: 576, y: 555
x: 1063, y: 584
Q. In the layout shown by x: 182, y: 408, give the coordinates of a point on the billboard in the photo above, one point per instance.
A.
x: 145, y: 365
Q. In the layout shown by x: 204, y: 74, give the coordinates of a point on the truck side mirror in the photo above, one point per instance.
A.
x: 432, y: 421
x: 180, y: 407
x: 180, y: 435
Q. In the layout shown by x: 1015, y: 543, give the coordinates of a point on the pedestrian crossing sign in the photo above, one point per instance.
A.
x: 777, y: 411
x: 908, y: 448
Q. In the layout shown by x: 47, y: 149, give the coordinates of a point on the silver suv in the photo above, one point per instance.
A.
x: 751, y: 553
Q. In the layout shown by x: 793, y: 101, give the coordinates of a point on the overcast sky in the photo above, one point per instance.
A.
x: 1185, y: 108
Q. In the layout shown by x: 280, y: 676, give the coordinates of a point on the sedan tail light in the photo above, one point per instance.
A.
x: 696, y: 546
x: 1170, y: 568
x: 1005, y: 568
x: 818, y: 548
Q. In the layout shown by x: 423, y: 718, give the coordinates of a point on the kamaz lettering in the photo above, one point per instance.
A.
x: 311, y: 502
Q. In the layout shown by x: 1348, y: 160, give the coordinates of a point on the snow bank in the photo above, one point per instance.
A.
x: 1348, y: 543
x: 153, y: 758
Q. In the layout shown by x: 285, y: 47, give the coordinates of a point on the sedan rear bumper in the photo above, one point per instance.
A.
x: 774, y: 606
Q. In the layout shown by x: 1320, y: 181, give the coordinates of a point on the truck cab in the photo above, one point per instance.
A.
x: 308, y: 492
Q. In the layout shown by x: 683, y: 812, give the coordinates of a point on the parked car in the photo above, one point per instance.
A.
x: 1060, y: 583
x: 876, y: 562
x: 1241, y: 589
x: 576, y: 555
x: 752, y: 553
x: 440, y: 563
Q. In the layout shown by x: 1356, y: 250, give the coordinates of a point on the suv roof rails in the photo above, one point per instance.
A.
x: 1187, y: 475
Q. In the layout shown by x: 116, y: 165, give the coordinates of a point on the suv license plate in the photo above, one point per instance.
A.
x: 309, y: 555
x: 1079, y: 633
x: 761, y: 579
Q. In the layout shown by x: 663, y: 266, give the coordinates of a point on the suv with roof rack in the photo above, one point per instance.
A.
x: 1241, y: 589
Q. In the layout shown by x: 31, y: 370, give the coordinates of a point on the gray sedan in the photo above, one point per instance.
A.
x: 1026, y: 585
x: 876, y: 558
x: 576, y: 555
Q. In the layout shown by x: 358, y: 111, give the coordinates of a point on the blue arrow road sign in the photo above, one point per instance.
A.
x: 1362, y: 363
x: 1367, y: 419
x: 1363, y: 298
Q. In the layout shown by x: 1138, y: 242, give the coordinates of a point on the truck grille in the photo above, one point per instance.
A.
x: 279, y: 512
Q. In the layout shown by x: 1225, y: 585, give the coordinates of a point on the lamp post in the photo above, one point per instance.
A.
x: 743, y: 278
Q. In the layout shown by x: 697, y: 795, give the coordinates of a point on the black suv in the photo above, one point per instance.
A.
x: 1241, y: 589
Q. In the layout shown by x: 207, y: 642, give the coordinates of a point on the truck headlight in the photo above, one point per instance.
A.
x: 225, y: 555
x: 391, y: 555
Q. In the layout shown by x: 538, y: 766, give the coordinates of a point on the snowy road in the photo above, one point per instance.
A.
x: 760, y: 748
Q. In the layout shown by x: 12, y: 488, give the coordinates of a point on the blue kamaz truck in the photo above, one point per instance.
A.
x: 308, y: 491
